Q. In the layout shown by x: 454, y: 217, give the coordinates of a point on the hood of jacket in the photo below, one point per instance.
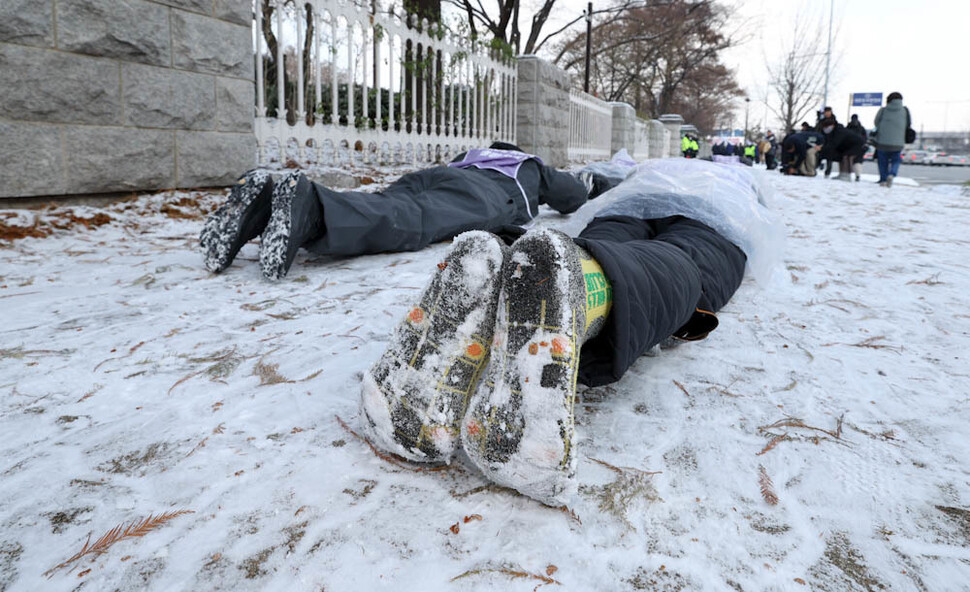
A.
x: 895, y: 105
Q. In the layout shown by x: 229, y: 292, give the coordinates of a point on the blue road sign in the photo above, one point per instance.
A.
x: 867, y: 99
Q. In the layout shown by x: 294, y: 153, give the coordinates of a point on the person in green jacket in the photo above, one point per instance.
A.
x: 750, y: 152
x: 892, y: 121
x: 685, y: 146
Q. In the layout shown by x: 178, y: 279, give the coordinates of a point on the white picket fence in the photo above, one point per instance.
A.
x: 374, y: 89
x: 590, y: 127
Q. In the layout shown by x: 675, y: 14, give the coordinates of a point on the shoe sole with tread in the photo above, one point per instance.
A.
x: 414, y: 397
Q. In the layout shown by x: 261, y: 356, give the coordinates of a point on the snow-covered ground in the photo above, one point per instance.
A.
x: 135, y: 383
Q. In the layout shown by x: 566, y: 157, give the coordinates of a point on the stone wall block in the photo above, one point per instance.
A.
x: 527, y: 68
x: 132, y: 30
x: 30, y: 160
x: 235, y: 100
x: 658, y: 139
x: 211, y: 159
x: 542, y: 117
x: 200, y: 6
x: 209, y: 45
x: 29, y: 22
x: 52, y: 86
x: 162, y: 97
x: 103, y: 160
x: 673, y: 123
x: 234, y: 11
x: 624, y: 128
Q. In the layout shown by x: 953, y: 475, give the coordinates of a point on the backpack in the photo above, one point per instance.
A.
x: 910, y: 132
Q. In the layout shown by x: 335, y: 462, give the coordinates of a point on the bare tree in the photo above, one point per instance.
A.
x: 662, y: 56
x: 796, y: 81
x: 289, y: 63
x: 623, y: 49
x: 502, y: 22
x: 707, y: 96
x: 698, y: 34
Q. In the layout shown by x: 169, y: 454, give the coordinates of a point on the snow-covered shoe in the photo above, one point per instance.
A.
x: 297, y: 218
x: 889, y: 181
x: 414, y: 397
x: 519, y: 427
x: 241, y: 219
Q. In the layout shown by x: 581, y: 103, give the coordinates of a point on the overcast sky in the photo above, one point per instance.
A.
x: 917, y: 47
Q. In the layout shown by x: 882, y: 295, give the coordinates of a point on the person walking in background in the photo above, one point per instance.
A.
x: 892, y: 123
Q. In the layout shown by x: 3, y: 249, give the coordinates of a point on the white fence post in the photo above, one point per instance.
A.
x: 456, y: 107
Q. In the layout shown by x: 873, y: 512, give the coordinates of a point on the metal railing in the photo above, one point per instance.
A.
x: 590, y: 127
x: 348, y: 83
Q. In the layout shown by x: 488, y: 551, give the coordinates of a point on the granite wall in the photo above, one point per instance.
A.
x: 542, y: 112
x: 542, y: 119
x: 102, y: 96
x: 673, y: 123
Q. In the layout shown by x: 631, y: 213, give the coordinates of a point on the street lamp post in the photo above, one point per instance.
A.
x: 747, y: 108
x: 828, y: 55
x: 589, y: 43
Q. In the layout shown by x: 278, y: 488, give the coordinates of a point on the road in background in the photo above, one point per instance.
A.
x: 926, y: 175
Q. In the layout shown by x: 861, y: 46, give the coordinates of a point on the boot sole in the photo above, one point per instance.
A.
x: 274, y: 246
x: 520, y: 425
x: 413, y: 399
x: 223, y: 234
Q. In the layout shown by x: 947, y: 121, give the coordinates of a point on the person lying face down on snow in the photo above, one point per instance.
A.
x: 482, y: 189
x: 489, y: 357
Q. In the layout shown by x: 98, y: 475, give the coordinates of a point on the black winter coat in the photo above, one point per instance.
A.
x: 857, y: 128
x: 660, y: 271
x: 843, y: 142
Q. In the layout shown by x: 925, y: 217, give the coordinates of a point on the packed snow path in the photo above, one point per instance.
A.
x: 817, y: 440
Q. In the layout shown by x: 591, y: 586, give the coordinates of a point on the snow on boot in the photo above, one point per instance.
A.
x: 416, y: 394
x: 241, y: 219
x: 889, y: 181
x: 519, y: 427
x: 297, y: 218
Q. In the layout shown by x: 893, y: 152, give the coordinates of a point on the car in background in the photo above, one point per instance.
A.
x: 957, y: 160
x: 914, y: 157
x: 936, y: 159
